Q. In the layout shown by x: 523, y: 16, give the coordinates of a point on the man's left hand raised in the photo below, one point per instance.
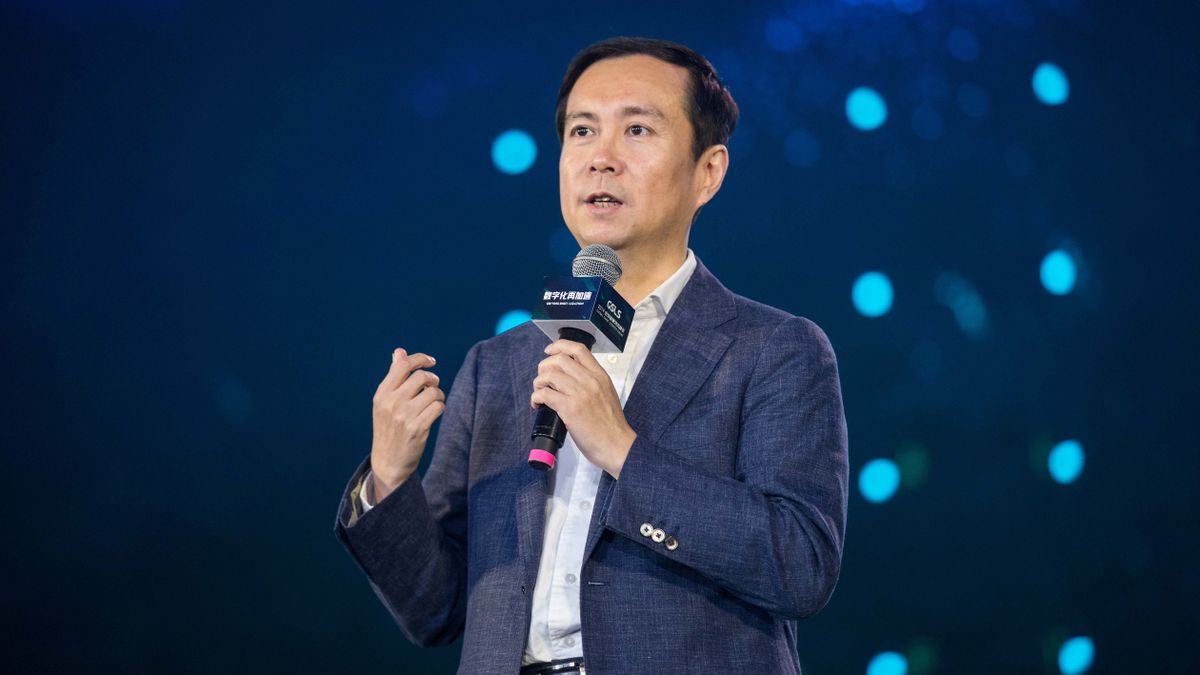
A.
x: 573, y: 384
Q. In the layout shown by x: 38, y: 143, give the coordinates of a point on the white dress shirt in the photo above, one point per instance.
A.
x: 554, y: 628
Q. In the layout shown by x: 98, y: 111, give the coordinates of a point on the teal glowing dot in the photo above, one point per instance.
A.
x: 878, y: 481
x: 872, y: 294
x: 512, y: 319
x: 1058, y: 272
x: 866, y: 109
x: 888, y: 663
x: 1075, y: 656
x: 1066, y: 461
x: 1050, y: 84
x: 513, y: 152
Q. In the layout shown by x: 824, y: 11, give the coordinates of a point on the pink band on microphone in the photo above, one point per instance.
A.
x: 543, y: 457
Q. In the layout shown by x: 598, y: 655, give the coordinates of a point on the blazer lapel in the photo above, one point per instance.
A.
x: 682, y: 357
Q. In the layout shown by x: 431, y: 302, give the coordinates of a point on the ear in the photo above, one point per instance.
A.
x: 710, y: 173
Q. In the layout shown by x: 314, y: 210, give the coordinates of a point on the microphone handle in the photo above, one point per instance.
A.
x: 549, y: 432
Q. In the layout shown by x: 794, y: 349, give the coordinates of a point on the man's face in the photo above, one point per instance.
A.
x: 626, y: 174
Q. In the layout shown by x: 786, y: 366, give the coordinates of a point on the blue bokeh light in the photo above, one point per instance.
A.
x: 783, y: 34
x: 1066, y: 461
x: 513, y: 151
x: 955, y: 292
x: 878, y: 480
x: 866, y: 109
x: 1050, y: 84
x: 1075, y: 656
x: 963, y: 45
x: 512, y: 319
x: 872, y: 294
x: 1058, y: 272
x: 888, y: 663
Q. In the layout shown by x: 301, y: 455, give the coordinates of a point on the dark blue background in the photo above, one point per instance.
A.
x: 220, y: 218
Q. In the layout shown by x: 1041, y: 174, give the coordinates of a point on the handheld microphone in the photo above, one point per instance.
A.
x: 587, y: 309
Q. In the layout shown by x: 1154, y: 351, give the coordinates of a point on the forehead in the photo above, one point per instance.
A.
x: 630, y: 80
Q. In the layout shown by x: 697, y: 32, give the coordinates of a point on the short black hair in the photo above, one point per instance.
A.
x: 712, y: 110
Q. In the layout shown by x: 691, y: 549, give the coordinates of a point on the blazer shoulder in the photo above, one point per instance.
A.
x: 765, y: 320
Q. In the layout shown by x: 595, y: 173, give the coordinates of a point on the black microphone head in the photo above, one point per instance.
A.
x: 597, y: 260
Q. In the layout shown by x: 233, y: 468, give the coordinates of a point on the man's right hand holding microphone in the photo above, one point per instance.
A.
x: 405, y: 406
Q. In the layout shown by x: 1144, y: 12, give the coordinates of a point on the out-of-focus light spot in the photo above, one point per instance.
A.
x: 878, y: 480
x: 922, y: 657
x: 872, y: 294
x: 909, y: 6
x: 513, y: 151
x: 931, y: 84
x: 866, y: 109
x: 1050, y: 84
x: 801, y: 148
x: 1076, y: 655
x: 913, y: 461
x: 887, y: 663
x: 1058, y: 272
x: 1066, y: 461
x: 512, y: 319
x: 972, y: 100
x: 964, y: 301
x: 963, y: 45
x: 927, y: 123
x: 783, y: 34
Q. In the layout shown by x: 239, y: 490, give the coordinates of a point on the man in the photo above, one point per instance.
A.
x: 699, y: 505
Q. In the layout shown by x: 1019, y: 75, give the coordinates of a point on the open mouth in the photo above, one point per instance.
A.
x: 603, y: 200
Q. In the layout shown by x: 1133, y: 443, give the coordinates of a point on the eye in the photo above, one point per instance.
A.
x: 579, y: 131
x: 639, y: 130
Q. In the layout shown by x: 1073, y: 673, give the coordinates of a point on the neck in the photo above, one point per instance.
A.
x: 644, y: 272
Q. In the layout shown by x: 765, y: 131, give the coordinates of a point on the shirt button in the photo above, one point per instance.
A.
x: 658, y: 535
x: 671, y: 543
x: 571, y: 578
x: 585, y: 505
x: 570, y: 642
x: 647, y: 529
x: 612, y: 358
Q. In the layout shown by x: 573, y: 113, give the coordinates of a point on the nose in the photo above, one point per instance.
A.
x: 605, y: 157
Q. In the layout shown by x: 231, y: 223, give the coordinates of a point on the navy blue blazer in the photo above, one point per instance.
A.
x: 741, y: 457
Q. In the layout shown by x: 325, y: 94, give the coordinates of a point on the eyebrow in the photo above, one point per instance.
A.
x: 627, y: 111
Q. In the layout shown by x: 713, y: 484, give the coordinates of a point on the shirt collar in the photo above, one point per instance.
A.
x: 664, y: 297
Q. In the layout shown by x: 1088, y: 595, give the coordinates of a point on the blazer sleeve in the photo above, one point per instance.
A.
x: 771, y: 535
x: 412, y: 544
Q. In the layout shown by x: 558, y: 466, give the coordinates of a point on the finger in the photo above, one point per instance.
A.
x: 424, y: 398
x: 562, y: 370
x: 430, y: 414
x: 418, y: 380
x: 402, y: 366
x: 549, y: 398
x: 558, y: 382
x: 578, y: 353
